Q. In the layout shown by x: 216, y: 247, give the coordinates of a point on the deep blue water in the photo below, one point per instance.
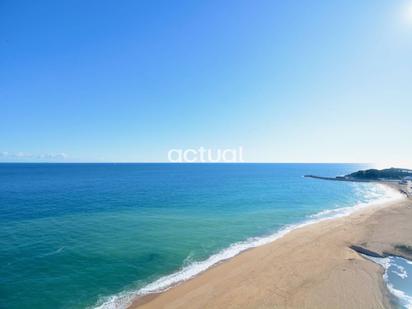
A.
x: 73, y: 235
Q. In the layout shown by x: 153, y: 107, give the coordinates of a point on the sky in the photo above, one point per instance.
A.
x: 288, y: 81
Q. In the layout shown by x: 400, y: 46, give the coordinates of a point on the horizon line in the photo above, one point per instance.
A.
x: 165, y: 162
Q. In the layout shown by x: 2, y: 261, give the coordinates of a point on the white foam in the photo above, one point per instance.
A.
x: 378, y: 194
x: 405, y: 299
x: 124, y: 299
x: 401, y: 272
x: 386, y: 263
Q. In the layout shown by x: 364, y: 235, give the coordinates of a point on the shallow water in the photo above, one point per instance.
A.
x: 86, y: 235
x: 398, y: 278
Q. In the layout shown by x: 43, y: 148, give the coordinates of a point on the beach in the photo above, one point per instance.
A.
x: 310, y: 267
x: 150, y: 226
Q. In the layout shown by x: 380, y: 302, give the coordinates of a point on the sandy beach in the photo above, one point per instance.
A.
x: 310, y: 267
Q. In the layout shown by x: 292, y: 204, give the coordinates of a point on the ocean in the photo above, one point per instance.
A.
x: 95, y: 235
x: 398, y: 279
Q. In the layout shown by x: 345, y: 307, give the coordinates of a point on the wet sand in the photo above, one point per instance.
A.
x: 310, y: 267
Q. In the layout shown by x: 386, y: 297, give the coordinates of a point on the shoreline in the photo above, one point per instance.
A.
x: 180, y: 295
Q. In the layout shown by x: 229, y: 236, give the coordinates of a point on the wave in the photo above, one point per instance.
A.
x: 373, y: 195
x: 405, y: 299
x: 52, y: 252
x: 389, y: 264
x: 125, y: 298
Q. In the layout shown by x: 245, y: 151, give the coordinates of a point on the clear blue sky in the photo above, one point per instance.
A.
x: 290, y: 81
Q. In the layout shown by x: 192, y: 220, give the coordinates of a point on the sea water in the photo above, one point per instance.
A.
x: 398, y: 279
x: 96, y: 235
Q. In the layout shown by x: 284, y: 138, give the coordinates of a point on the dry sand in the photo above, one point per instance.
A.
x: 311, y: 267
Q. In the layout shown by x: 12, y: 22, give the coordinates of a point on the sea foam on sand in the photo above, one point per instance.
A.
x: 125, y: 298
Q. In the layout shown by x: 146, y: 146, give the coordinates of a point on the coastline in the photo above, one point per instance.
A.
x: 307, y: 267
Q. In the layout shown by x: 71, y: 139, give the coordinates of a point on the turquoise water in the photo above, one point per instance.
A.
x: 87, y: 235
